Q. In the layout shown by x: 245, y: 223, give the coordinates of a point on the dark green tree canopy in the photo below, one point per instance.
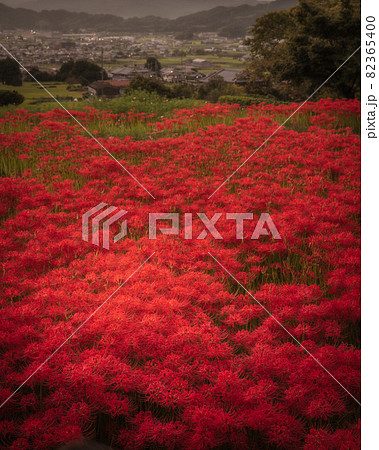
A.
x: 153, y: 64
x: 39, y: 75
x: 80, y: 71
x: 149, y: 85
x: 10, y: 72
x: 296, y: 50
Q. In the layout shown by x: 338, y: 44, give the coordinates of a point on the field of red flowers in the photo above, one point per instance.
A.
x: 181, y: 357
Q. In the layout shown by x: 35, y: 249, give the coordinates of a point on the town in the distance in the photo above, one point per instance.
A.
x: 190, y: 59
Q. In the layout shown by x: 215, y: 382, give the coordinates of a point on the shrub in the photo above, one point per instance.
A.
x: 11, y: 98
x: 40, y: 75
x: 217, y: 87
x: 144, y: 102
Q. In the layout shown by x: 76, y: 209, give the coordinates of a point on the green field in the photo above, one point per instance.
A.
x: 35, y: 94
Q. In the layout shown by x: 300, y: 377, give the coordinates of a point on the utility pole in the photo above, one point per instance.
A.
x: 102, y: 63
x: 102, y: 71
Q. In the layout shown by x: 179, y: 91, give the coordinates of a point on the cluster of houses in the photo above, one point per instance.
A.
x: 120, y: 78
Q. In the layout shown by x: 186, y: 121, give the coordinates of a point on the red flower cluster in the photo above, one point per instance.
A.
x: 181, y: 357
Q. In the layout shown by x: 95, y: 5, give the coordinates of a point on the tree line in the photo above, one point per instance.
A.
x: 80, y: 71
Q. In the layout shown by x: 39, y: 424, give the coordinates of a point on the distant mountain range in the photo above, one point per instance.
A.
x: 169, y: 9
x: 237, y: 18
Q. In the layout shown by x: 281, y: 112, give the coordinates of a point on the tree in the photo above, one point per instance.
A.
x: 295, y: 51
x: 149, y: 85
x: 11, y: 98
x: 80, y: 71
x: 153, y: 64
x: 10, y: 72
x: 268, y: 35
x: 39, y: 75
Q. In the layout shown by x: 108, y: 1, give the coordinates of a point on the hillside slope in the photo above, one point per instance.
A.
x: 240, y: 17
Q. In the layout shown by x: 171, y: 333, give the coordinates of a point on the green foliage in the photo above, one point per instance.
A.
x: 141, y: 83
x: 80, y: 71
x: 215, y: 88
x: 40, y: 75
x: 10, y: 72
x: 295, y: 51
x: 143, y: 102
x: 245, y: 100
x: 149, y: 103
x: 153, y: 64
x: 181, y: 90
x: 10, y: 98
x: 154, y: 85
